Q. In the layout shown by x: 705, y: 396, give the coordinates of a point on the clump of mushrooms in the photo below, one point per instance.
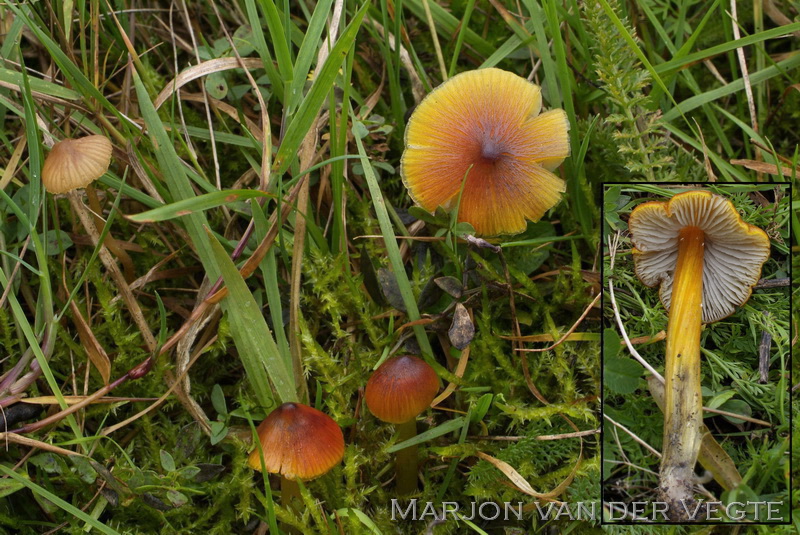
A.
x: 483, y: 129
x: 705, y: 260
x: 397, y: 392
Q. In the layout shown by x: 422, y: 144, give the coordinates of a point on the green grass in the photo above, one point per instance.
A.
x: 286, y: 172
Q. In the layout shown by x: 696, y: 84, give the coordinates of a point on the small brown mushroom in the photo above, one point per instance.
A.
x: 297, y: 442
x: 76, y: 163
x: 397, y: 392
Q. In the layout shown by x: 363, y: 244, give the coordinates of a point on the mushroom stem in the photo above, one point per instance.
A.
x: 113, y: 269
x: 683, y: 414
x: 406, y: 461
x: 292, y: 500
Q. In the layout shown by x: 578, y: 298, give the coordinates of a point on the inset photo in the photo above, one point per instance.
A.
x: 696, y: 353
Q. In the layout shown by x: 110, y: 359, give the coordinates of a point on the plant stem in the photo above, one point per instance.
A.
x: 406, y: 462
x: 684, y: 408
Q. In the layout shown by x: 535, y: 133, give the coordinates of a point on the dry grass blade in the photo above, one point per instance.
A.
x: 33, y: 443
x: 97, y: 355
x: 204, y: 69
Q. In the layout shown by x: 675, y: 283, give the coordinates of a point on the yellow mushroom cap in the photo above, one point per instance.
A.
x: 299, y: 442
x: 488, y: 119
x: 75, y: 163
x: 735, y: 251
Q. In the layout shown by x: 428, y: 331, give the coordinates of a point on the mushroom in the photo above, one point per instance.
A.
x: 297, y: 442
x: 483, y: 129
x: 397, y: 392
x: 706, y: 261
x: 74, y: 164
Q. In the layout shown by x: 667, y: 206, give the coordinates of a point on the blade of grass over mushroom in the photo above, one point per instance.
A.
x: 269, y: 271
x: 393, y: 252
x: 253, y: 339
x: 46, y: 494
x: 430, y: 434
x: 312, y: 103
x: 196, y: 204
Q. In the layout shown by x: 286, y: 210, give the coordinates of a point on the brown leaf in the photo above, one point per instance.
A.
x: 93, y: 348
x: 763, y: 167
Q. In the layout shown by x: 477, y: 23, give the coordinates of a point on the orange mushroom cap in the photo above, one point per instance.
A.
x: 488, y: 119
x: 298, y: 442
x: 401, y: 388
x: 734, y: 253
x: 76, y: 163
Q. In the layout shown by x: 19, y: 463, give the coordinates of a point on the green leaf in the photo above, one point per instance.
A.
x: 218, y: 400
x: 56, y: 241
x: 430, y: 434
x: 739, y: 407
x: 167, y: 462
x: 482, y: 407
x: 253, y: 339
x: 621, y: 375
x: 218, y: 432
x: 720, y: 399
x: 364, y: 519
x: 9, y: 486
x: 611, y: 344
x: 196, y: 204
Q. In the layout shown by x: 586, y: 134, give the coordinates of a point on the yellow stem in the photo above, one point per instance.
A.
x: 683, y: 414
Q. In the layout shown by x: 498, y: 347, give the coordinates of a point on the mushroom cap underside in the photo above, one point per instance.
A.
x: 486, y: 125
x: 298, y: 442
x: 735, y: 251
x: 76, y: 163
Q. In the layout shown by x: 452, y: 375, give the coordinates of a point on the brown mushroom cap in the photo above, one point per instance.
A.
x: 299, y: 442
x: 401, y: 388
x: 734, y: 250
x: 76, y: 163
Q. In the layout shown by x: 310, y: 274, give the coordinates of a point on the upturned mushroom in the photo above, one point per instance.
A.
x: 705, y: 260
x: 483, y: 129
x: 397, y: 392
x: 297, y: 442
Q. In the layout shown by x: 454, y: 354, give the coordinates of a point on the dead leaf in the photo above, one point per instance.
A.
x: 462, y: 331
x: 93, y: 348
x: 764, y: 167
